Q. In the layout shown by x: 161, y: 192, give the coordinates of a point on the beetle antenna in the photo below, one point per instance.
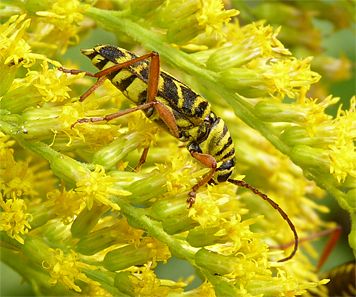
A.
x: 241, y: 183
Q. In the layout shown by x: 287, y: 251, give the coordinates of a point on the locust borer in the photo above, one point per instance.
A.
x: 174, y: 107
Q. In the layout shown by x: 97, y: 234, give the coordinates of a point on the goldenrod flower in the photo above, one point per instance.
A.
x: 96, y: 186
x: 62, y: 20
x: 143, y: 282
x: 212, y: 16
x: 290, y: 77
x: 14, y: 49
x: 65, y: 204
x: 16, y: 179
x: 193, y: 18
x: 67, y: 269
x: 13, y: 220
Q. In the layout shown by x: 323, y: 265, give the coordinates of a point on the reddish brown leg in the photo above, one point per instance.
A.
x: 142, y: 159
x: 153, y: 80
x: 334, y: 238
x: 207, y: 161
x: 115, y: 115
x: 75, y: 71
x: 93, y: 88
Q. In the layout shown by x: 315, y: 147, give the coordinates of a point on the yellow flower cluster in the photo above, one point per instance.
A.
x: 15, y: 182
x: 67, y: 268
x: 213, y: 16
x: 58, y: 25
x: 145, y: 283
x: 13, y: 220
x: 96, y: 185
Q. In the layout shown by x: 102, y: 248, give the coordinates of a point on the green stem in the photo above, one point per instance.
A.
x: 154, y: 228
x: 38, y: 147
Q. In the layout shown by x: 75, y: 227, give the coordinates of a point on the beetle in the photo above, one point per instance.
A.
x: 176, y: 108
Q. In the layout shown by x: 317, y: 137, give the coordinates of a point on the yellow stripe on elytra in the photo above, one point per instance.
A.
x: 135, y: 90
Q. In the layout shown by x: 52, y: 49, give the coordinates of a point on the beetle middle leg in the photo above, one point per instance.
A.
x: 207, y: 161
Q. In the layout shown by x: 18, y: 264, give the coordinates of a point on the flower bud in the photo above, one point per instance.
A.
x: 143, y: 8
x: 333, y: 68
x: 21, y: 98
x: 293, y: 136
x: 41, y: 214
x: 66, y: 168
x: 184, y: 31
x: 10, y: 10
x: 147, y: 188
x: 179, y: 223
x: 349, y: 183
x: 175, y: 12
x: 223, y: 288
x: 86, y: 220
x: 124, y: 283
x: 233, y: 56
x: 215, y: 262
x: 169, y: 206
x: 271, y: 111
x: 112, y: 153
x: 125, y: 257
x: 57, y: 233
x: 350, y: 198
x: 35, y: 249
x: 40, y: 122
x: 97, y: 241
x: 246, y: 82
x: 199, y: 237
x: 309, y: 38
x: 14, y: 120
x: 34, y: 6
x: 302, y: 154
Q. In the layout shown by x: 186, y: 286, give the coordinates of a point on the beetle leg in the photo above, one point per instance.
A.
x: 75, y: 71
x: 207, y: 161
x: 115, y: 115
x: 92, y: 88
x: 153, y: 81
x: 142, y: 159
